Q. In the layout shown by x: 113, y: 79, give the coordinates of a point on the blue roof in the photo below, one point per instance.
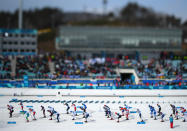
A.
x: 19, y: 31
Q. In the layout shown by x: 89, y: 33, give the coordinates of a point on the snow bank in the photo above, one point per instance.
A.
x: 91, y: 92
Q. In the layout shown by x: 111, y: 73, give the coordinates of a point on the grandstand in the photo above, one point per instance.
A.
x: 61, y: 71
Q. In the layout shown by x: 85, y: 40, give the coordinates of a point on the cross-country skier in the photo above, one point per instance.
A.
x: 11, y: 110
x: 74, y: 114
x: 86, y: 115
x: 162, y: 116
x: 151, y: 110
x: 33, y: 113
x: 140, y: 115
x: 21, y: 104
x: 177, y: 114
x: 183, y: 110
x: 84, y: 111
x: 159, y: 109
x: 51, y: 111
x: 27, y: 116
x: 127, y: 114
x: 84, y: 105
x: 109, y: 113
x: 43, y: 110
x: 57, y: 116
x: 112, y: 116
x: 171, y: 121
x: 83, y: 108
x: 107, y: 110
x: 67, y: 108
x: 75, y: 108
x: 154, y: 113
x: 118, y: 116
x: 173, y: 108
x: 185, y: 116
x: 122, y: 109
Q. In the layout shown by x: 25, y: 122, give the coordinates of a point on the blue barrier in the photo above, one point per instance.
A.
x: 1, y: 95
x: 39, y: 96
x: 29, y: 106
x: 11, y: 122
x: 79, y: 123
x: 141, y: 122
x: 121, y: 96
x: 55, y: 84
x: 23, y: 112
x: 82, y: 96
x: 79, y: 111
x: 133, y: 111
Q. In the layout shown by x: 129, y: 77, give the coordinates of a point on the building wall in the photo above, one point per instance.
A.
x: 18, y: 42
x: 110, y: 39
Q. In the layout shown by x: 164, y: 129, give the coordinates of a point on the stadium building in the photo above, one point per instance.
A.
x: 92, y: 39
x: 18, y: 42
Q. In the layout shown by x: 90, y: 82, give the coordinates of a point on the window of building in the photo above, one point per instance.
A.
x: 22, y: 43
x: 22, y: 35
x: 28, y: 43
x: 33, y: 43
x: 16, y: 35
x: 4, y: 42
x: 27, y: 50
x: 10, y: 42
x: 15, y: 42
x: 33, y: 50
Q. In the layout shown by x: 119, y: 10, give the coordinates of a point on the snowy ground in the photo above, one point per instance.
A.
x: 97, y: 121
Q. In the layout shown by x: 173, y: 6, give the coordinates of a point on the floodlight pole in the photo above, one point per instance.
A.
x: 20, y: 14
x: 104, y: 7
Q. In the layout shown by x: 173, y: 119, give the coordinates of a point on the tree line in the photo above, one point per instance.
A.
x: 130, y: 15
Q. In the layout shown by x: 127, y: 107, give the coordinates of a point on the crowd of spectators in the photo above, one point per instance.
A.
x: 157, y: 68
x: 82, y: 67
x: 33, y: 66
x: 94, y: 67
x: 5, y: 68
x: 106, y: 67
